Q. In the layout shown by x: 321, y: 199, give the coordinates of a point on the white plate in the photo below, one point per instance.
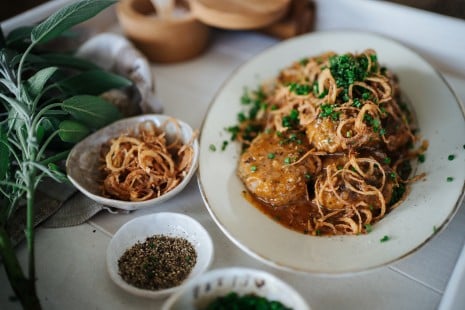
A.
x: 82, y: 164
x: 430, y: 205
x: 164, y: 223
x: 199, y: 293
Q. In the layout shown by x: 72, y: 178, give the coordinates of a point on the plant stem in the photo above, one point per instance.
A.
x: 30, y: 226
x: 23, y: 287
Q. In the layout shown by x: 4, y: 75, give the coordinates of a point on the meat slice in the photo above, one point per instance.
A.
x: 273, y: 170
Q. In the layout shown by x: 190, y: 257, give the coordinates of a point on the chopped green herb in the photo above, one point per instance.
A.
x: 271, y: 155
x: 224, y: 145
x: 327, y: 110
x: 387, y: 160
x: 304, y: 61
x: 245, y: 98
x: 300, y: 89
x: 212, y: 147
x: 397, y: 194
x: 292, y: 119
x: 357, y: 103
x: 421, y: 158
x: 435, y: 229
x: 368, y: 228
x: 287, y: 160
x: 253, y: 168
x: 450, y: 179
x: 451, y: 157
x: 307, y: 176
x: 384, y: 239
x: 346, y: 69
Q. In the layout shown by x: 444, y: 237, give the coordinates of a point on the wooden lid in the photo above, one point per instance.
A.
x: 239, y: 14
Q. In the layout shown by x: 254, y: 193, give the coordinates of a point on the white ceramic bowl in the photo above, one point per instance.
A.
x: 198, y: 293
x: 164, y: 223
x: 83, y: 161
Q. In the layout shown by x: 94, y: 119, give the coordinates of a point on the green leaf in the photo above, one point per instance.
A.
x: 57, y: 173
x: 18, y: 35
x: 93, y: 111
x: 2, y: 38
x: 66, y: 18
x: 4, y: 154
x: 93, y: 82
x: 36, y: 83
x: 72, y: 131
x: 44, y: 129
x: 67, y: 60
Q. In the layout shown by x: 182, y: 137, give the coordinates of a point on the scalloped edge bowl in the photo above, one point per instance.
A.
x: 82, y: 162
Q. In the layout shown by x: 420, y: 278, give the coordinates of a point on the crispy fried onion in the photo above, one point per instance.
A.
x: 145, y: 163
x: 358, y: 128
x: 349, y: 197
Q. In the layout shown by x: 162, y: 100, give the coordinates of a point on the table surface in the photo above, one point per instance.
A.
x: 70, y: 261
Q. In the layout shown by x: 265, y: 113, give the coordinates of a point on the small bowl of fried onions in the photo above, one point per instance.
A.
x: 136, y: 162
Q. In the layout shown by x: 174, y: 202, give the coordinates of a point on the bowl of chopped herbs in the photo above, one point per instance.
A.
x: 154, y: 255
x: 236, y: 288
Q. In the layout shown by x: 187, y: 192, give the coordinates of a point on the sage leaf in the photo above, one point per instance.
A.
x: 67, y: 60
x: 18, y: 36
x: 66, y: 18
x: 4, y: 154
x: 2, y: 39
x: 93, y: 82
x: 45, y: 128
x: 36, y: 83
x: 93, y: 111
x: 72, y: 131
x: 57, y: 173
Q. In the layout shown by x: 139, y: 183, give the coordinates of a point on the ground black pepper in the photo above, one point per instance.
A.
x: 159, y: 262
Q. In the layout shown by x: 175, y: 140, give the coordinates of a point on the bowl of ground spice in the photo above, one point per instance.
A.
x: 154, y: 255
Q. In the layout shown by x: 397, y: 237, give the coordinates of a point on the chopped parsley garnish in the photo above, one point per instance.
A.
x: 287, y: 160
x: 327, y: 110
x: 384, y: 239
x: 245, y: 98
x: 357, y: 103
x: 346, y: 69
x: 292, y: 119
x: 233, y: 130
x: 451, y: 157
x: 271, y: 155
x: 374, y: 123
x: 368, y: 228
x: 421, y: 158
x: 307, y: 176
x: 450, y: 179
x: 387, y: 160
x: 304, y: 61
x: 253, y: 168
x: 224, y: 145
x: 397, y: 194
x: 212, y: 147
x: 300, y: 89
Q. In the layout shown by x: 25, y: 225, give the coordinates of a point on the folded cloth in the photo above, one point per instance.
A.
x: 76, y: 210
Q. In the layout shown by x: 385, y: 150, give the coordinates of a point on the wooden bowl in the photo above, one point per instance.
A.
x: 162, y: 40
x: 239, y: 14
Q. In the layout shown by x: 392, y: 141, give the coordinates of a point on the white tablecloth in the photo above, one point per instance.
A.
x: 70, y: 262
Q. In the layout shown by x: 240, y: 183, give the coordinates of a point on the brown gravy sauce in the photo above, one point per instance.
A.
x: 294, y: 216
